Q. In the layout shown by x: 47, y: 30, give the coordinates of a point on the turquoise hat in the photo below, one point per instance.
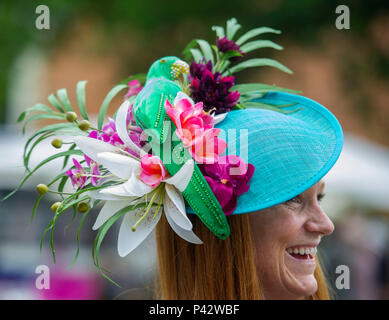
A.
x: 290, y: 151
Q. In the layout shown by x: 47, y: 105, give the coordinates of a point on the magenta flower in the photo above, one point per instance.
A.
x: 111, y: 136
x: 94, y: 170
x: 134, y: 87
x: 212, y: 88
x: 78, y: 175
x: 228, y: 178
x: 224, y: 45
x: 189, y: 118
x: 153, y: 170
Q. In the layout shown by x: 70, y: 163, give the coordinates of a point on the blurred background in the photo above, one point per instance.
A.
x: 105, y: 42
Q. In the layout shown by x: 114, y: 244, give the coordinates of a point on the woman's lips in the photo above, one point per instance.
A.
x: 302, y: 252
x: 301, y: 259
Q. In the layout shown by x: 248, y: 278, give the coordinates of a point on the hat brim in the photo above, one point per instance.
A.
x: 291, y: 152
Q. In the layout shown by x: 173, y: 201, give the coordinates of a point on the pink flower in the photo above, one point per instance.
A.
x: 153, y: 170
x: 134, y: 87
x: 77, y: 176
x: 94, y: 170
x: 190, y: 119
x: 208, y: 147
x: 228, y: 178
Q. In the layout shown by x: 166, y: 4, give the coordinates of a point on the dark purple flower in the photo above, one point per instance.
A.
x: 224, y: 45
x: 228, y: 178
x: 212, y: 88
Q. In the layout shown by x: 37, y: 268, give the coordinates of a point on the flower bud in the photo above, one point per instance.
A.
x: 56, y: 143
x: 84, y: 125
x: 83, y: 207
x: 55, y: 206
x: 42, y: 189
x: 71, y: 116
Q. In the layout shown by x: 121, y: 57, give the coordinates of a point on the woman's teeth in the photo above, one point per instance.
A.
x: 303, y: 251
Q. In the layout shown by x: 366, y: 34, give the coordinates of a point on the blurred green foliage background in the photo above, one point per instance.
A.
x: 141, y: 31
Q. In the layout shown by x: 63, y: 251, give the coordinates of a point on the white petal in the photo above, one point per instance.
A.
x: 174, y: 206
x: 181, y: 179
x: 219, y: 118
x: 120, y: 165
x: 121, y: 127
x: 187, y: 235
x: 135, y: 186
x: 91, y: 147
x: 181, y: 95
x: 117, y: 190
x: 96, y: 195
x: 128, y: 240
x: 108, y: 210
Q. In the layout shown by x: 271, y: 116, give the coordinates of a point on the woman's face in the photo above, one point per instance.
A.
x: 286, y: 237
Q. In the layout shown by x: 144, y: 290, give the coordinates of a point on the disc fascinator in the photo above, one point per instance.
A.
x: 187, y: 139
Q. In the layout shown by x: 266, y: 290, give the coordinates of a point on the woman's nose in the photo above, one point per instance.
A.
x: 319, y: 222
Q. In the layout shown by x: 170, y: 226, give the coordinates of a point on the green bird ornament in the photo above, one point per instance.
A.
x: 150, y: 115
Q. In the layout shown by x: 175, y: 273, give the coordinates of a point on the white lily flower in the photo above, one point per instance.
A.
x: 122, y: 130
x: 130, y: 192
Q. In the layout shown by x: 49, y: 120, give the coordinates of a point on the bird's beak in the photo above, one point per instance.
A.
x: 178, y: 68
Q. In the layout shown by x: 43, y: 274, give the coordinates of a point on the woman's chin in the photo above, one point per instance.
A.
x: 299, y: 276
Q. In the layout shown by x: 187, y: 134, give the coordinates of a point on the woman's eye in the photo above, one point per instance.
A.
x: 320, y: 197
x: 293, y: 200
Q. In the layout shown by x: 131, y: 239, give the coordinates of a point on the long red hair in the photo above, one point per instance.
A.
x: 218, y: 269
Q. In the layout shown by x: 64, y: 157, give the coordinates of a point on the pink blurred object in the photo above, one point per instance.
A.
x: 71, y: 285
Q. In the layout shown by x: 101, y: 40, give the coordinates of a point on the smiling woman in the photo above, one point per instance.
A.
x: 254, y: 262
x: 276, y: 223
x: 246, y: 159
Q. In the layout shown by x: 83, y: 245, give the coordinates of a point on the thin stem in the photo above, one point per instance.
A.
x: 97, y: 176
x: 57, y: 192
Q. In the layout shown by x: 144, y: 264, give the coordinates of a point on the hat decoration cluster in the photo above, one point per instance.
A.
x: 113, y: 166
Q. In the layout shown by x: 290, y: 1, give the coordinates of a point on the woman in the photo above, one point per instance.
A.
x: 271, y: 252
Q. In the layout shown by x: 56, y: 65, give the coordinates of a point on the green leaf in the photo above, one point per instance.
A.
x: 232, y: 28
x: 53, y: 157
x: 40, y: 139
x: 260, y: 87
x: 255, y: 32
x: 40, y: 196
x: 42, y: 116
x: 196, y: 54
x: 54, y: 101
x: 207, y: 50
x: 78, y: 237
x: 187, y: 52
x: 230, y: 54
x: 36, y: 107
x: 65, y: 161
x: 277, y: 108
x: 258, y: 44
x: 104, y: 106
x: 52, y: 128
x: 250, y: 96
x: 63, y: 209
x: 219, y: 31
x: 63, y: 97
x: 259, y: 62
x: 141, y: 77
x: 224, y: 66
x: 80, y: 92
x: 62, y: 183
